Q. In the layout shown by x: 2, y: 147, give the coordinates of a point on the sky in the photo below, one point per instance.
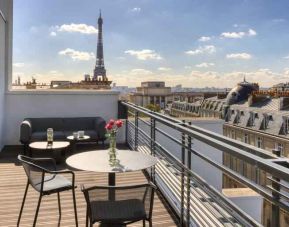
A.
x: 195, y: 43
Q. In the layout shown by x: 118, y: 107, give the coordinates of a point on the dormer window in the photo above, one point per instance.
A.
x: 252, y: 119
x: 238, y: 116
x: 265, y: 121
x: 242, y: 113
x: 286, y: 125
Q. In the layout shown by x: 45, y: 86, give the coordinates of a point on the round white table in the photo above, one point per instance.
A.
x: 98, y: 161
x: 57, y: 147
x: 74, y: 140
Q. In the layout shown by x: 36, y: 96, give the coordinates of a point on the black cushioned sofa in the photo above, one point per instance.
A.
x: 35, y: 129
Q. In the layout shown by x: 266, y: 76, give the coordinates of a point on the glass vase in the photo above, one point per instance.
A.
x: 50, y: 135
x: 112, y: 150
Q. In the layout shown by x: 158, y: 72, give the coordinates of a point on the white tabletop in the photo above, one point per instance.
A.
x: 98, y: 161
x: 43, y: 145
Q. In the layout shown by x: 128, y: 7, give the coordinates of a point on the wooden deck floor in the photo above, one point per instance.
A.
x: 12, y: 186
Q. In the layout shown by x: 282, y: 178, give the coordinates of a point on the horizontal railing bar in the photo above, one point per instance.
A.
x: 279, y: 183
x: 261, y: 163
x: 278, y: 192
x: 227, y: 171
x: 225, y: 200
x: 248, y: 148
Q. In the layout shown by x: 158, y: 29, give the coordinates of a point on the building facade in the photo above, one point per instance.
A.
x: 152, y: 92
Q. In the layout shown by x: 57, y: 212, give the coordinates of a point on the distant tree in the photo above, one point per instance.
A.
x: 153, y: 107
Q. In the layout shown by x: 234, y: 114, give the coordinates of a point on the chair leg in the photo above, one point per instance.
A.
x: 37, y: 210
x: 74, y: 204
x: 86, y: 221
x: 23, y: 202
x: 150, y: 223
x: 59, y: 207
x: 143, y: 223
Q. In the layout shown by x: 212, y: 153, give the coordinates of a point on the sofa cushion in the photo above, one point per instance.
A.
x: 42, y: 136
x: 42, y: 124
x: 78, y: 123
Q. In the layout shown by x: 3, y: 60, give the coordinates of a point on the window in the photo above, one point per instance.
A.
x: 265, y: 121
x: 246, y: 138
x: 233, y: 135
x: 252, y: 119
x: 286, y: 125
x: 259, y: 142
x: 280, y: 147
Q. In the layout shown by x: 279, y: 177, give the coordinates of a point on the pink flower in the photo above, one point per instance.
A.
x: 111, y: 122
x: 119, y: 123
x: 108, y: 126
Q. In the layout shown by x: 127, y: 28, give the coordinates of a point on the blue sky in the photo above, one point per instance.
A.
x: 196, y: 43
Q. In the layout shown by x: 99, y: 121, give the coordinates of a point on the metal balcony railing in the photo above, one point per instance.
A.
x: 196, y: 202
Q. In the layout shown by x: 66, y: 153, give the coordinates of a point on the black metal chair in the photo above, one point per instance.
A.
x: 43, y: 177
x: 119, y: 205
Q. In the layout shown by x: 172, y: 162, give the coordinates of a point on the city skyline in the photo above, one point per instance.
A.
x: 193, y: 43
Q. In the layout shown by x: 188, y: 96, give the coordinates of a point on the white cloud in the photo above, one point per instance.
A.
x: 252, y: 32
x: 286, y: 57
x: 243, y: 56
x: 265, y: 78
x: 18, y: 64
x: 205, y: 65
x: 144, y: 54
x: 164, y: 69
x: 204, y: 39
x: 81, y: 28
x: 233, y: 35
x: 209, y: 49
x: 142, y: 72
x: 135, y: 9
x: 279, y: 20
x: 52, y: 34
x: 77, y: 55
x: 238, y: 35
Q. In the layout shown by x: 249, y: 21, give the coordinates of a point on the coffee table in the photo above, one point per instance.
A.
x: 57, y: 147
x: 74, y: 140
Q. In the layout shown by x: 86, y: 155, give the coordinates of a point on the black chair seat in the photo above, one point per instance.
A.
x: 119, y: 205
x: 118, y: 211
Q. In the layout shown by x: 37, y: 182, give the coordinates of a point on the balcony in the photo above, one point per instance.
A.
x: 190, y: 174
x: 187, y: 195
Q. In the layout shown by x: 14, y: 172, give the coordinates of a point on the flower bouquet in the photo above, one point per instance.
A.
x: 111, y: 129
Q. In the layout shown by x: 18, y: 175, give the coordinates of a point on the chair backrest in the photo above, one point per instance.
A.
x: 143, y: 193
x: 34, y: 172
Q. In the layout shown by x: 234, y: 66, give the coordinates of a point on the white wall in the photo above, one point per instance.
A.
x: 211, y: 174
x: 20, y: 105
x: 246, y: 199
x: 3, y: 60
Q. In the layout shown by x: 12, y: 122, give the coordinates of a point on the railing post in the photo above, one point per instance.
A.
x: 152, y: 145
x: 275, y: 211
x: 189, y: 165
x: 183, y: 178
x: 136, y: 130
x: 126, y: 132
